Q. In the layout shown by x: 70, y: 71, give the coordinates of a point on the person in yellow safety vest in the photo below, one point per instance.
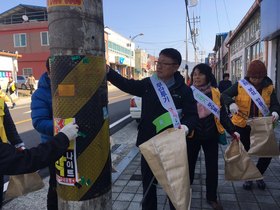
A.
x: 209, y: 130
x: 15, y: 159
x: 11, y: 88
x: 243, y: 107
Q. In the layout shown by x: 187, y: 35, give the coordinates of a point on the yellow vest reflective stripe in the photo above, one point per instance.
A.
x: 2, y: 129
x: 243, y: 101
x: 216, y: 99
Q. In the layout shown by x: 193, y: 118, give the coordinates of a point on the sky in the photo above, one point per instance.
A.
x: 163, y: 22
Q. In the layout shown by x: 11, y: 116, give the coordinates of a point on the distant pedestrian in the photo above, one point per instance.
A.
x: 31, y: 82
x: 10, y: 91
x: 243, y: 106
x: 225, y: 83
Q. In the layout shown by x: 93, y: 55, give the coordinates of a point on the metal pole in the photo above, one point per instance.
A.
x: 79, y: 92
x: 132, y: 55
x: 187, y: 70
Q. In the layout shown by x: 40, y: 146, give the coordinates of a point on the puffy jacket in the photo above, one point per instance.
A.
x: 41, y: 108
x: 151, y: 106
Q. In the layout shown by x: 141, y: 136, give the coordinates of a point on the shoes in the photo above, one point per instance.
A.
x: 261, y: 184
x: 248, y: 185
x: 215, y: 205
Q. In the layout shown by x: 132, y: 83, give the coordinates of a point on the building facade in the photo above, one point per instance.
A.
x: 245, y: 44
x: 121, y: 54
x: 24, y: 29
x: 8, y: 67
x: 270, y: 31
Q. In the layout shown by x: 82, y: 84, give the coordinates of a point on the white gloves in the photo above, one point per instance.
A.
x: 70, y: 130
x: 233, y: 108
x: 236, y: 135
x: 275, y: 116
x: 186, y: 129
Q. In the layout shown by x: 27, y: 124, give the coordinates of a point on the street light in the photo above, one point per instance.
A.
x: 131, y: 40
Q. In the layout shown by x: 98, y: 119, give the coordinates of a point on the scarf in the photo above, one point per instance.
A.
x: 202, y: 111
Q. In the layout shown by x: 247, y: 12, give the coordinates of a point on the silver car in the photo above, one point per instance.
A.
x: 21, y: 82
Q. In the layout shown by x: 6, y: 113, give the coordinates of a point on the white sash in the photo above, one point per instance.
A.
x: 255, y: 96
x: 166, y: 99
x: 205, y: 101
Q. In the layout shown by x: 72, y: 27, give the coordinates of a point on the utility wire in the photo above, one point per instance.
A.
x: 217, y: 16
x: 193, y: 43
x: 227, y: 14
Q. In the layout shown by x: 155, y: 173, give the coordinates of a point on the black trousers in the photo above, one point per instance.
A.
x: 263, y: 163
x: 150, y: 199
x: 52, y: 194
x: 210, y: 148
x: 1, y: 190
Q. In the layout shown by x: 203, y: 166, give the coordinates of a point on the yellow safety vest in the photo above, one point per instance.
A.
x: 2, y: 129
x: 216, y: 99
x: 243, y: 101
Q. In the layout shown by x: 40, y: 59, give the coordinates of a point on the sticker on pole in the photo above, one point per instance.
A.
x: 66, y: 166
x: 54, y: 3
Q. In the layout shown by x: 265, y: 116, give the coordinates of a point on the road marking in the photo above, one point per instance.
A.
x: 119, y: 121
x: 22, y: 121
x: 115, y: 97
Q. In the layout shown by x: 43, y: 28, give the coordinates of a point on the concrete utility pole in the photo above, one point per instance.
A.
x: 79, y: 92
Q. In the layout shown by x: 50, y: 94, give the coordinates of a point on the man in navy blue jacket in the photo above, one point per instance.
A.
x: 167, y: 70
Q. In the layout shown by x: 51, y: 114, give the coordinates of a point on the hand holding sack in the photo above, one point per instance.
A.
x: 275, y: 116
x: 233, y: 108
x: 185, y: 128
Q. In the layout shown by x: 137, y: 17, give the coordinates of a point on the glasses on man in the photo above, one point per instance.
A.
x: 164, y: 64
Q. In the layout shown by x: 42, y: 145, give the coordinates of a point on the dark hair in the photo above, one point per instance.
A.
x: 207, y: 71
x: 48, y: 64
x: 172, y: 53
x: 225, y: 75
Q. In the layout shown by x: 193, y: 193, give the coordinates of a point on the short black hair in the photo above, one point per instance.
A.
x: 225, y: 75
x: 172, y: 53
x: 48, y: 64
x: 207, y: 71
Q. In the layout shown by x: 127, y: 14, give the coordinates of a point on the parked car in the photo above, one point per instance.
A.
x: 21, y: 82
x: 135, y: 108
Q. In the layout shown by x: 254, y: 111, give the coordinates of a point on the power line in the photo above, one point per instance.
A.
x: 160, y: 42
x: 217, y: 16
x: 227, y: 14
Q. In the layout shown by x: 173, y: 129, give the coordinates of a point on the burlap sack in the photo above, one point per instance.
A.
x: 23, y: 184
x: 238, y: 165
x: 166, y: 154
x: 262, y: 137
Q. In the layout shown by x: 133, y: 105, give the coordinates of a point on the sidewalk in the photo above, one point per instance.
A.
x: 127, y: 188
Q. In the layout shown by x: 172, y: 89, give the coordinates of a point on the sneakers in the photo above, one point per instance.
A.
x: 261, y: 184
x: 215, y: 205
x: 248, y: 185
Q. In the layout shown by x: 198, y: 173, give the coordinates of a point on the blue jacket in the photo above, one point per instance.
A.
x: 41, y: 108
